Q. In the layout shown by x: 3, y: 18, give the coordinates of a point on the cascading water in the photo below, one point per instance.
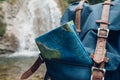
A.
x: 34, y: 18
x: 29, y: 19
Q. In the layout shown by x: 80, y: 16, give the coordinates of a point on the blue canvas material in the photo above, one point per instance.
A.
x: 66, y: 53
x: 63, y: 44
x: 88, y: 36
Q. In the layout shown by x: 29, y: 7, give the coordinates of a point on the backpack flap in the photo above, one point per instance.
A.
x: 63, y: 43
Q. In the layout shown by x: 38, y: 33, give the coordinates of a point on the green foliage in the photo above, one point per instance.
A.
x: 2, y: 28
x: 2, y: 24
x: 3, y: 0
x: 9, y: 1
x: 63, y: 4
x: 1, y: 17
x: 0, y: 8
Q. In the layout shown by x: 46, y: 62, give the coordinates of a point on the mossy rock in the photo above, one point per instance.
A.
x: 9, y: 1
x: 2, y: 28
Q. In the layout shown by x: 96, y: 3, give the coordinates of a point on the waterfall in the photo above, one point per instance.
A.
x: 35, y: 17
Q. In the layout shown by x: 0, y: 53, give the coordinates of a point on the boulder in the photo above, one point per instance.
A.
x: 8, y: 44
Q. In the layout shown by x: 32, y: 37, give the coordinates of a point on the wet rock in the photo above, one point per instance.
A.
x: 8, y: 44
x: 6, y: 50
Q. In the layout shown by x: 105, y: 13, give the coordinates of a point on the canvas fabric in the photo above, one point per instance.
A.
x: 67, y: 54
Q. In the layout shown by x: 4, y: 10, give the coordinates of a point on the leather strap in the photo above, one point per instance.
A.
x: 99, y: 58
x: 33, y: 68
x: 78, y: 15
x: 103, y: 31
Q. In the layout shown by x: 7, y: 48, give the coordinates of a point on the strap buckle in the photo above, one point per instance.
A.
x: 103, y: 32
x: 41, y: 58
x: 98, y: 73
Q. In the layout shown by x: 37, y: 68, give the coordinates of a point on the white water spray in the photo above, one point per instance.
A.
x: 34, y: 17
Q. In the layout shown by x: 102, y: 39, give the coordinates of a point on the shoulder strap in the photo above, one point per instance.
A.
x: 100, y: 51
x: 78, y: 15
x: 33, y: 68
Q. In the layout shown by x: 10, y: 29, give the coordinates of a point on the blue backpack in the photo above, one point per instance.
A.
x: 85, y: 47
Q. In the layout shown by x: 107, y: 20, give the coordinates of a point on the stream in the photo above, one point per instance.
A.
x: 11, y: 68
x: 33, y: 18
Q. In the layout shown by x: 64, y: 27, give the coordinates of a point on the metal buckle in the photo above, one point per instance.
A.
x: 103, y: 29
x: 41, y: 57
x: 99, y: 70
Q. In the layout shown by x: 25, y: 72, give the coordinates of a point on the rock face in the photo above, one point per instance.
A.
x: 26, y: 20
x: 8, y: 41
x: 2, y: 22
x: 8, y: 44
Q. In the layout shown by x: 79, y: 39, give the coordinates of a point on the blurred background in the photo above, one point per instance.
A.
x: 21, y: 21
